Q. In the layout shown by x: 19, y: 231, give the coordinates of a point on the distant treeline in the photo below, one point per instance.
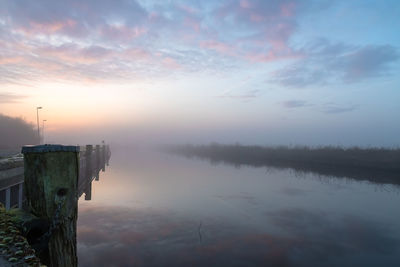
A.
x: 16, y: 132
x: 379, y: 165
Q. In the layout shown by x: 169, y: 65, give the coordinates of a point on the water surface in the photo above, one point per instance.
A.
x: 157, y: 209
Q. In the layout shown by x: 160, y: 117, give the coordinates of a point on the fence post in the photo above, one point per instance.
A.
x: 51, y: 182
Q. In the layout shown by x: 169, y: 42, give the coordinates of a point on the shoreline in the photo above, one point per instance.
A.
x: 378, y: 165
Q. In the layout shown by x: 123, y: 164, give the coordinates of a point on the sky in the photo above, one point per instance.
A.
x: 284, y: 72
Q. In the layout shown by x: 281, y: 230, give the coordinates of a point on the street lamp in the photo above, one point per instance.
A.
x: 37, y: 117
x: 43, y: 130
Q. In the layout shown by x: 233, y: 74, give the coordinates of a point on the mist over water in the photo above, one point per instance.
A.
x: 151, y: 208
x: 250, y: 75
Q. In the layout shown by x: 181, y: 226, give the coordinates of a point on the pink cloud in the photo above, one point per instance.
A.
x: 169, y: 62
x: 192, y: 23
x: 73, y: 54
x: 122, y: 32
x: 11, y: 60
x: 135, y: 53
x: 53, y: 27
x: 217, y: 46
x: 272, y: 55
x: 288, y: 9
x: 188, y: 9
x: 256, y: 17
x: 245, y: 4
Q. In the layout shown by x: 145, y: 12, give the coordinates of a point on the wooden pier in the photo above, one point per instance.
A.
x: 47, y: 182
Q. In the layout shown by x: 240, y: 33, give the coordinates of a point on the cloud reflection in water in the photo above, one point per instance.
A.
x: 116, y: 236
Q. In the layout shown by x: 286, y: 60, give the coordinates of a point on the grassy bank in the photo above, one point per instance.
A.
x: 379, y: 165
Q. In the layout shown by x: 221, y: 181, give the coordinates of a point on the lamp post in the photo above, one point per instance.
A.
x: 43, y: 130
x: 37, y: 117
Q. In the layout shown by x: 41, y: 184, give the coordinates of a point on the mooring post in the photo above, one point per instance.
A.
x: 51, y: 183
x: 88, y: 191
x: 108, y: 155
x: 98, y: 162
x: 103, y: 158
x: 89, y: 165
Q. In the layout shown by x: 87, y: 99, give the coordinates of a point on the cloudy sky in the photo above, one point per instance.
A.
x: 264, y: 72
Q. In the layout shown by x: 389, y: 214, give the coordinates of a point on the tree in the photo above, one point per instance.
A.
x: 16, y: 132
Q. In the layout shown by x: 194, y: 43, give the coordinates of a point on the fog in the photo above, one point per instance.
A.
x: 184, y: 134
x: 16, y: 132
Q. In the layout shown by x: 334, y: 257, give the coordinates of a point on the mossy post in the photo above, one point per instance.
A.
x: 51, y: 182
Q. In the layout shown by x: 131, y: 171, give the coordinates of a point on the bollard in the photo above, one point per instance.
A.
x: 51, y: 181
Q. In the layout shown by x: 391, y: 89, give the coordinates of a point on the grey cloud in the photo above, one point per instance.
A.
x: 332, y: 108
x: 369, y: 61
x: 243, y: 96
x: 6, y: 98
x: 295, y: 104
x: 327, y: 62
x: 298, y: 76
x: 327, y: 108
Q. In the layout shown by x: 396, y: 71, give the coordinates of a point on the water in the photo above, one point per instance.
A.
x: 156, y: 209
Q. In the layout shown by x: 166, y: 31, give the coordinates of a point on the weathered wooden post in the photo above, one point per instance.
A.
x: 51, y: 181
x: 98, y: 162
x: 103, y: 158
x: 88, y: 191
x: 89, y: 165
x: 108, y: 155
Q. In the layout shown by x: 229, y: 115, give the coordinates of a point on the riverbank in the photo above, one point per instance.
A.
x: 378, y: 165
x: 14, y: 247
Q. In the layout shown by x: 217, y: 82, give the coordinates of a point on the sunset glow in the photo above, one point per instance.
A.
x: 247, y: 71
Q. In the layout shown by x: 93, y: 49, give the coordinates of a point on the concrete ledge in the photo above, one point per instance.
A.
x: 11, y: 163
x: 49, y: 148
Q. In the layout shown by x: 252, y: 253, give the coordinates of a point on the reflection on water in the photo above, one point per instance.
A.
x: 153, y: 209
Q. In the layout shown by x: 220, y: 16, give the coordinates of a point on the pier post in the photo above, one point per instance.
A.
x: 103, y: 158
x: 51, y: 181
x: 89, y: 163
x: 98, y: 162
x: 88, y: 191
x: 108, y: 155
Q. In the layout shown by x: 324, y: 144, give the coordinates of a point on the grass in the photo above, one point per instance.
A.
x: 380, y: 165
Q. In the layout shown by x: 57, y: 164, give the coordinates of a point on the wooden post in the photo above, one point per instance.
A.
x: 88, y: 191
x: 98, y: 162
x: 98, y: 158
x: 89, y: 164
x: 51, y: 181
x: 108, y: 155
x: 103, y: 158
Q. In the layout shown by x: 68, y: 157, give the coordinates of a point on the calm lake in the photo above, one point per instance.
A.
x: 158, y: 209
